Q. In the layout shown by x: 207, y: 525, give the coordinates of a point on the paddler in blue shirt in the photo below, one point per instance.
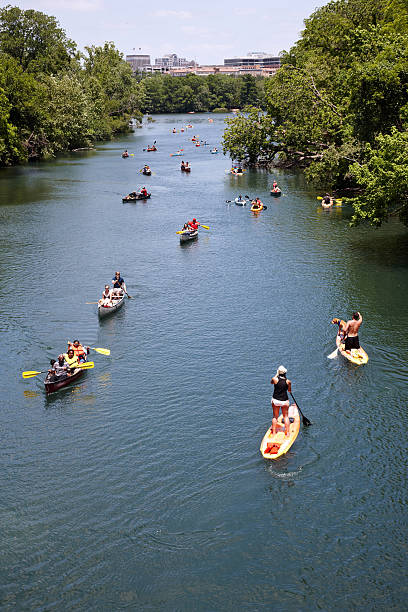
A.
x: 118, y: 284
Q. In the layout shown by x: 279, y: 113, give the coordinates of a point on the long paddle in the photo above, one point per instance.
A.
x: 102, y: 351
x: 88, y: 365
x: 333, y: 354
x: 305, y: 420
x: 204, y: 226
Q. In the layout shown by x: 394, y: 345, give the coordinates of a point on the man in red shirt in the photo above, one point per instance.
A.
x: 194, y: 224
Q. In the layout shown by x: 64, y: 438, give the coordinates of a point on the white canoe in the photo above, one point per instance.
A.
x: 104, y: 311
x: 187, y: 235
x: 239, y: 202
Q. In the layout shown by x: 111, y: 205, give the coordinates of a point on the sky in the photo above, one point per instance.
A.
x: 206, y: 31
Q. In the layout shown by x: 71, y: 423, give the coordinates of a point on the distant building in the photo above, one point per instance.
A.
x: 226, y: 70
x: 138, y: 62
x: 260, y: 60
x: 172, y: 61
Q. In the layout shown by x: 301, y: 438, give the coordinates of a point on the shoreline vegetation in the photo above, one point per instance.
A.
x: 52, y: 97
x: 55, y: 99
x: 338, y: 108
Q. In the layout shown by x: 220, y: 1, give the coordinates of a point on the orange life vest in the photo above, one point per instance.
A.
x: 78, y: 350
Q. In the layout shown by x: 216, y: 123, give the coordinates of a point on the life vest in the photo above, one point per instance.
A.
x: 78, y: 350
x: 71, y: 361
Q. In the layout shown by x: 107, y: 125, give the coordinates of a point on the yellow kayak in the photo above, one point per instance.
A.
x: 275, y: 446
x: 356, y: 356
x: 256, y: 208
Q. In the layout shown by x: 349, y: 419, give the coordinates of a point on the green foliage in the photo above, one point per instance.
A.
x: 168, y: 94
x: 248, y: 136
x: 49, y: 100
x: 10, y: 148
x: 384, y: 178
x: 339, y: 104
x: 34, y: 40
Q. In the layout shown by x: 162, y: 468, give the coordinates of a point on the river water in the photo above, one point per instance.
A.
x: 142, y: 486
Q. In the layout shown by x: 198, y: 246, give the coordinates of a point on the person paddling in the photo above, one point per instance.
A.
x: 280, y: 399
x: 71, y: 360
x: 118, y: 285
x: 351, y: 340
x: 194, y: 224
x: 143, y: 192
x: 80, y: 351
x: 58, y: 368
x: 327, y: 201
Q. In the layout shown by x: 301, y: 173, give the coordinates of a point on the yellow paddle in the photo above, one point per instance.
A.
x: 204, y: 226
x: 102, y: 351
x: 88, y: 365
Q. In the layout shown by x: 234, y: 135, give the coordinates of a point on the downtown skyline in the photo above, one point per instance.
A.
x: 206, y: 35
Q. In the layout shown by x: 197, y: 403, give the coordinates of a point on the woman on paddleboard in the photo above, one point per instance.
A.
x: 280, y: 398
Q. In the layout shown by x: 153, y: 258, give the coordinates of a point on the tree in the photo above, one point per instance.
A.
x: 384, y: 178
x: 122, y: 95
x: 35, y: 40
x: 10, y: 147
x: 248, y: 136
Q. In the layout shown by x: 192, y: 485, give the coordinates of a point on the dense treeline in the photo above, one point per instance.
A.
x: 168, y: 94
x: 339, y: 107
x: 53, y: 98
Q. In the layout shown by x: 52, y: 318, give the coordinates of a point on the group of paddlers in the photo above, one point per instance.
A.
x: 348, y: 333
x: 67, y: 362
x: 191, y: 226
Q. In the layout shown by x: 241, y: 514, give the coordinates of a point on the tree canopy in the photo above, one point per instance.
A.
x: 339, y: 105
x: 52, y: 98
x: 169, y: 94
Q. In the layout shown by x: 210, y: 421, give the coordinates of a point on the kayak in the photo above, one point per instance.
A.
x: 185, y: 168
x: 276, y: 192
x: 125, y: 155
x: 213, y: 152
x: 188, y: 235
x: 152, y: 149
x: 103, y: 311
x: 356, y: 356
x: 147, y: 172
x: 275, y: 446
x: 256, y: 208
x: 55, y: 383
x: 176, y: 154
x: 239, y: 202
x: 138, y: 196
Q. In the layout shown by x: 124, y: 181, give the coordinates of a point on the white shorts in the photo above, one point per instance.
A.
x: 279, y: 402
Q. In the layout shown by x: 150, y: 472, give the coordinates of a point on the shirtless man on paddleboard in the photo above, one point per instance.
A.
x: 351, y: 332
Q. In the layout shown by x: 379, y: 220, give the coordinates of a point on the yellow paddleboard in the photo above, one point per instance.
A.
x: 356, y: 356
x: 275, y: 446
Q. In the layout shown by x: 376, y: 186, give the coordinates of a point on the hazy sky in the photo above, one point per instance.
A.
x: 207, y: 31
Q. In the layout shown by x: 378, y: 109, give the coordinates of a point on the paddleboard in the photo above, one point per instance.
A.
x: 275, y: 446
x: 356, y: 356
